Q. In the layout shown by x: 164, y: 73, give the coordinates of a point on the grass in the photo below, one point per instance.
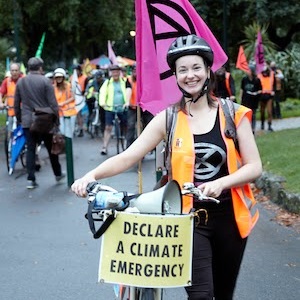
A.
x: 279, y: 152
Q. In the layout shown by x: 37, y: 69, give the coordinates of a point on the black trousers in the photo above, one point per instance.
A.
x: 32, y: 140
x: 217, y: 253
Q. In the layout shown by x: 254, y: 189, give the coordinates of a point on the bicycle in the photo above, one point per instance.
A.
x: 105, y: 204
x: 94, y: 123
x: 13, y: 134
x: 118, y: 130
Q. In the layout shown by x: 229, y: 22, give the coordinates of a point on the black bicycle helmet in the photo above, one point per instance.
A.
x: 99, y: 74
x: 189, y: 45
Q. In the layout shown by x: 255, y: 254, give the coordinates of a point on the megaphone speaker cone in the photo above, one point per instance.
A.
x: 165, y: 200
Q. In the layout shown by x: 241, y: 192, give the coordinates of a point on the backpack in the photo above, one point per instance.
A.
x: 228, y: 108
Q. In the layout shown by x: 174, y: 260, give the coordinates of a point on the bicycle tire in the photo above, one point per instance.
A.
x: 6, y: 149
x: 118, y: 135
x: 23, y: 157
x: 91, y: 126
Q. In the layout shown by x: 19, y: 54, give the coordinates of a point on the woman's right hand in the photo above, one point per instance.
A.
x: 79, y: 186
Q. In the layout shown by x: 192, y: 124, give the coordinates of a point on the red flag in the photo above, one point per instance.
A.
x: 259, y: 54
x: 241, y: 62
x: 158, y: 23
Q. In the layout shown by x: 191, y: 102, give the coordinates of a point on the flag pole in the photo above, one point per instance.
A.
x: 139, y: 130
x: 41, y: 45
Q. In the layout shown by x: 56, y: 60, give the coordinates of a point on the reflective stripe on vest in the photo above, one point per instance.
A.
x: 183, y: 160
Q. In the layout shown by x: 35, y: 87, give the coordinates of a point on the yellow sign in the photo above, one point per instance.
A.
x: 147, y: 250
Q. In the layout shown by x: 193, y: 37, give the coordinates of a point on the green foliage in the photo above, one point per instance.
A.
x: 279, y: 151
x: 288, y: 61
x: 249, y: 42
x: 74, y: 28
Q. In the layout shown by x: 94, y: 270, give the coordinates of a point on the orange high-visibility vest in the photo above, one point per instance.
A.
x: 10, y: 96
x: 267, y: 83
x: 132, y: 101
x: 69, y: 109
x: 183, y: 160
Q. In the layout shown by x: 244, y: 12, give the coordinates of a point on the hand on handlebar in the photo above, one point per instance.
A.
x: 79, y: 186
x: 211, y: 188
x: 190, y: 189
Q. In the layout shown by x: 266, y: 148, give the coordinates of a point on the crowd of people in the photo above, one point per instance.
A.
x: 114, y: 92
x: 263, y: 91
x: 113, y: 89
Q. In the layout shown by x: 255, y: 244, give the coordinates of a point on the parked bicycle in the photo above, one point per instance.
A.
x: 14, y: 144
x: 105, y: 204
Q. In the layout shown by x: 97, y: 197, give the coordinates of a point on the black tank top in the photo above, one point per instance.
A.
x: 210, y: 157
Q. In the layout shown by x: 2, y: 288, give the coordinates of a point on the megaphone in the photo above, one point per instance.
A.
x: 165, y: 200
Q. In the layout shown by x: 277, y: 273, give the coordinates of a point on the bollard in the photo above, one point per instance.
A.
x: 69, y: 150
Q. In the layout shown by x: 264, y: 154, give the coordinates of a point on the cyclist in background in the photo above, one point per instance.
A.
x: 7, y: 92
x: 114, y: 98
x: 202, y: 154
x: 92, y: 95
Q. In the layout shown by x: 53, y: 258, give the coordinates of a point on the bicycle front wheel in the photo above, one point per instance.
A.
x: 7, y: 146
x: 118, y: 136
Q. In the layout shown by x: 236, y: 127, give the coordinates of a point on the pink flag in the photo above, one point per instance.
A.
x: 158, y: 23
x: 259, y: 54
x: 111, y: 54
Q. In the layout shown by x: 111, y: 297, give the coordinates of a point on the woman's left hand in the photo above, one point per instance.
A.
x: 211, y: 188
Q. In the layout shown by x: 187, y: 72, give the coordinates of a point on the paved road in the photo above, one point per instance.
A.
x: 47, y: 251
x: 280, y: 124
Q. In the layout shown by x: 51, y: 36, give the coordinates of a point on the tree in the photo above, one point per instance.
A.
x: 74, y: 28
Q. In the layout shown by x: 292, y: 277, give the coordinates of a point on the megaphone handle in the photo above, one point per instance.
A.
x: 97, y: 234
x: 104, y: 226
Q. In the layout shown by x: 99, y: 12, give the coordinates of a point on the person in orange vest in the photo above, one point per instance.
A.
x: 65, y: 100
x: 266, y: 98
x: 201, y: 153
x: 7, y: 92
x: 278, y: 89
x: 224, y: 85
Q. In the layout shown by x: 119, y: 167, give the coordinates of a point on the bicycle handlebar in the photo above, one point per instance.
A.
x: 104, y: 200
x: 109, y: 198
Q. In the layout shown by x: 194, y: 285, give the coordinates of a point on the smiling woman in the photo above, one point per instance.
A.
x: 203, y: 155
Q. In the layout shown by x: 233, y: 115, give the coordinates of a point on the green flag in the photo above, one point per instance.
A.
x: 40, y: 48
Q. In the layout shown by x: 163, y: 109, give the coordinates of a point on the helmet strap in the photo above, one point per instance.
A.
x: 203, y: 90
